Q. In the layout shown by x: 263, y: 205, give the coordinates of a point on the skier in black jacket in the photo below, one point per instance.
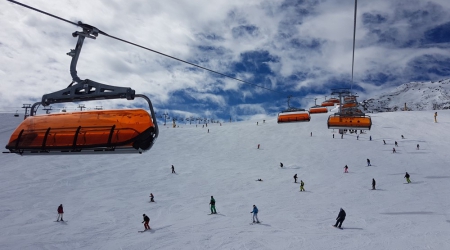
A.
x: 340, y: 218
x: 373, y: 184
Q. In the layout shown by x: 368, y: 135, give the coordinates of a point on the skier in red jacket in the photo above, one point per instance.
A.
x: 60, y: 213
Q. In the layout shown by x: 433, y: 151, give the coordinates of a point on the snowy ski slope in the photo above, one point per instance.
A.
x: 104, y: 197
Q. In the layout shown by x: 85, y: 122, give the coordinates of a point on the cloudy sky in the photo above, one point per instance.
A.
x: 299, y: 48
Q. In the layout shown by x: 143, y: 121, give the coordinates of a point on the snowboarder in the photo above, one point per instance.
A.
x: 407, y: 178
x: 417, y: 146
x: 393, y: 150
x: 255, y: 214
x: 281, y: 164
x: 295, y: 178
x: 60, y: 213
x: 435, y: 116
x: 151, y: 198
x: 259, y: 180
x: 340, y: 218
x: 302, y: 186
x: 146, y: 221
x: 396, y: 144
x: 173, y: 170
x: 346, y: 169
x: 373, y: 184
x: 213, y: 205
x: 368, y: 162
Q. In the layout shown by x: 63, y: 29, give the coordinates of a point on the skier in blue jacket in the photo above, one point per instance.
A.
x: 255, y: 214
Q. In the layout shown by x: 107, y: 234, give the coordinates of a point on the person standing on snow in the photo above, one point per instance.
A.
x: 255, y: 214
x: 384, y: 142
x: 396, y: 144
x: 435, y: 116
x: 393, y: 150
x: 368, y: 162
x: 173, y: 170
x: 146, y: 221
x: 346, y: 169
x: 417, y: 146
x: 373, y: 184
x: 302, y: 185
x: 151, y: 198
x: 407, y: 178
x: 60, y: 213
x: 281, y: 164
x: 295, y: 178
x: 212, y: 202
x: 340, y: 218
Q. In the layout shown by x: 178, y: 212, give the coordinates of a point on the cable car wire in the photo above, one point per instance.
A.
x: 79, y: 24
x: 354, y: 33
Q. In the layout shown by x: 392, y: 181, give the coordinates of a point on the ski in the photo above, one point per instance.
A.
x: 337, y: 227
x: 255, y: 223
x: 144, y: 230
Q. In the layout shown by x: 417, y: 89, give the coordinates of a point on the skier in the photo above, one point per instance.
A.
x: 259, y: 180
x: 357, y: 137
x: 146, y: 221
x: 346, y: 169
x: 407, y: 177
x: 255, y: 214
x: 302, y: 184
x: 60, y: 213
x: 370, y: 138
x: 258, y: 146
x: 281, y: 164
x: 417, y: 146
x: 368, y: 162
x: 373, y: 184
x: 151, y: 198
x: 393, y: 150
x: 435, y: 116
x: 340, y: 218
x: 173, y: 170
x: 311, y: 133
x: 333, y: 136
x: 396, y: 144
x: 403, y: 137
x: 384, y: 142
x: 213, y: 205
x: 295, y: 178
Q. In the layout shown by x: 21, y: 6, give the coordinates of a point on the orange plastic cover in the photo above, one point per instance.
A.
x: 95, y: 129
x: 325, y: 104
x: 318, y: 110
x: 359, y: 122
x: 294, y: 117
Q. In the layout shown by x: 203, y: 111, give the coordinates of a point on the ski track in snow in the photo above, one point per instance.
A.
x: 104, y: 197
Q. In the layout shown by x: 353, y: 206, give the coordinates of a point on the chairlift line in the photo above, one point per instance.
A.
x: 98, y: 31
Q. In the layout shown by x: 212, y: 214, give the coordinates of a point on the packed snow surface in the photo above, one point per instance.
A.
x: 104, y: 197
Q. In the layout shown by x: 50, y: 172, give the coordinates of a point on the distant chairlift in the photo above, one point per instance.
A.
x: 316, y: 109
x: 293, y: 115
x: 349, y: 117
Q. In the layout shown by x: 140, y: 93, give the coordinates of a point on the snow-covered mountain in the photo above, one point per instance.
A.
x: 417, y: 96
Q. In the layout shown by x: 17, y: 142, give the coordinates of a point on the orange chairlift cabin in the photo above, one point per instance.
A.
x: 348, y: 118
x: 293, y: 114
x: 317, y: 109
x: 86, y: 132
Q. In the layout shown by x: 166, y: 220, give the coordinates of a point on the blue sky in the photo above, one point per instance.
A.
x: 299, y: 48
